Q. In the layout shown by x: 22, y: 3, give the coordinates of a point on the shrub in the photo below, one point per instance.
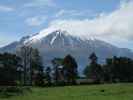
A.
x: 9, y: 91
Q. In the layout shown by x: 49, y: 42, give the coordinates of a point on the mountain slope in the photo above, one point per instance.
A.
x: 59, y: 43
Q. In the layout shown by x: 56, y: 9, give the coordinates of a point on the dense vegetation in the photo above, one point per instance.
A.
x: 8, y: 69
x: 116, y: 69
x: 26, y: 68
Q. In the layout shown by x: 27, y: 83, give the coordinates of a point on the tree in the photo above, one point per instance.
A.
x: 94, y: 70
x: 118, y: 69
x: 32, y: 64
x: 58, y: 74
x: 109, y: 70
x: 25, y: 53
x: 37, y: 68
x: 48, y: 76
x: 9, y: 64
x: 70, y: 69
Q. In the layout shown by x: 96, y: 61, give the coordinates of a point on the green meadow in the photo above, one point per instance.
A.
x: 87, y: 92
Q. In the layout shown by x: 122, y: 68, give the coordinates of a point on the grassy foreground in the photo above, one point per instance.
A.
x: 90, y: 92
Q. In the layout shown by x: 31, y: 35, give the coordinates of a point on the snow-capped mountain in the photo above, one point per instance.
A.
x: 59, y: 43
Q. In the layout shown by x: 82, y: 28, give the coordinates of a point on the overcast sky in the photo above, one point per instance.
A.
x: 109, y: 20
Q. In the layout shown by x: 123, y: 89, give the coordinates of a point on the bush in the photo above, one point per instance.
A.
x: 9, y: 91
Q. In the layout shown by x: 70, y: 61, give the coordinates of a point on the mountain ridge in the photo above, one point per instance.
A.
x: 59, y: 43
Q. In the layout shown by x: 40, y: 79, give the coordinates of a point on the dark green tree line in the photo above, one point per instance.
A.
x: 116, y: 69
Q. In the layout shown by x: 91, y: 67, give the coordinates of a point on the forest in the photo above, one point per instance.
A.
x: 26, y: 68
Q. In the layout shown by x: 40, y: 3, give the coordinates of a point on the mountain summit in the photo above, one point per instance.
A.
x: 56, y: 37
x: 59, y: 43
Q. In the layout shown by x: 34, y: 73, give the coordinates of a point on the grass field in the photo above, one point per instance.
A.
x: 90, y: 92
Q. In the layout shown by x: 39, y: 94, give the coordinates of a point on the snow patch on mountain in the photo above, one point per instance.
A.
x: 53, y: 39
x: 40, y: 35
x: 58, y: 33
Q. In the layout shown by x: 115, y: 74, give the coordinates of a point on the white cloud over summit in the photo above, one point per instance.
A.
x: 117, y: 25
x: 35, y: 21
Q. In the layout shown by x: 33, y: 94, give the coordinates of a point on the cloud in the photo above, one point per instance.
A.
x: 117, y: 25
x: 70, y: 13
x: 40, y: 3
x: 4, y: 8
x: 36, y: 21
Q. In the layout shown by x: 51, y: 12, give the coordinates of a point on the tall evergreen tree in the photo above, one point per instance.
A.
x: 70, y: 69
x: 94, y: 70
